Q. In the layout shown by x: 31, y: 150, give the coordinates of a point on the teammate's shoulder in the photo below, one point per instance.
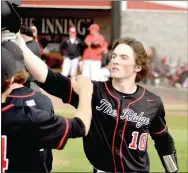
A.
x: 17, y: 112
x: 35, y: 114
x: 12, y: 107
x: 41, y: 95
x: 44, y: 99
x: 21, y: 93
x: 7, y: 106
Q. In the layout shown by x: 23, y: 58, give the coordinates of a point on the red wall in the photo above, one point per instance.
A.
x: 68, y: 3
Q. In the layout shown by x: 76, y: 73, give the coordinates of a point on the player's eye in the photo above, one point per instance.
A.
x: 113, y: 56
x: 124, y: 57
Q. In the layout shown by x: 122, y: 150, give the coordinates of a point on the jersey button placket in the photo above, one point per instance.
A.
x: 122, y: 105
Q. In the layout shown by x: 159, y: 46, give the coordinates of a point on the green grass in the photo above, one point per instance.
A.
x: 72, y: 157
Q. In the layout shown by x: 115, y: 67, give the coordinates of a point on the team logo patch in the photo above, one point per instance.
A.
x: 30, y: 103
x: 128, y: 114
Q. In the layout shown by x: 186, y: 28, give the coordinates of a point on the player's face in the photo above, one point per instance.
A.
x: 123, y: 63
x: 34, y: 29
x: 72, y: 34
x: 93, y: 32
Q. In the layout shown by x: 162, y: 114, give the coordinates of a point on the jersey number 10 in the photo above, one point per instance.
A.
x: 4, y: 160
x: 142, y: 141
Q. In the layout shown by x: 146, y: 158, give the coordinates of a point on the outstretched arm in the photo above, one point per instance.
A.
x: 164, y: 142
x: 52, y: 82
x: 35, y: 65
x: 54, y: 131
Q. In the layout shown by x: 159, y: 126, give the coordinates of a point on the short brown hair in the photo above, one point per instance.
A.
x: 141, y: 57
x: 21, y: 76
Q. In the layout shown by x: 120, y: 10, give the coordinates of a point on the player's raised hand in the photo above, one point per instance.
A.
x: 84, y: 88
x: 20, y: 41
x: 82, y: 85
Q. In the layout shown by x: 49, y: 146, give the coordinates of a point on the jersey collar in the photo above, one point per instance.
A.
x: 120, y: 95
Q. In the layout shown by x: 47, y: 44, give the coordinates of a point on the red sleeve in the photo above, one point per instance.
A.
x: 88, y: 39
x: 103, y: 42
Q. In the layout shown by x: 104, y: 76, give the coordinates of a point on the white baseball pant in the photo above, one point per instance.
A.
x: 70, y: 67
x: 104, y: 74
x: 91, y: 69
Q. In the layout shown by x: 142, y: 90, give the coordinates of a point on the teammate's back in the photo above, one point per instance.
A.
x: 26, y: 130
x: 28, y: 97
x: 21, y: 150
x: 24, y: 96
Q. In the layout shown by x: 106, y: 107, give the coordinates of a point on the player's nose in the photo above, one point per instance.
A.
x: 115, y: 61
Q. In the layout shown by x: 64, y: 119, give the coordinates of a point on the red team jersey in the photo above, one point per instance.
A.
x: 94, y: 54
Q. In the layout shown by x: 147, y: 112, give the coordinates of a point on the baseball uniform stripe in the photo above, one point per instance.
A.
x: 117, y: 120
x: 64, y: 136
x: 124, y: 127
x: 24, y: 96
x: 157, y: 133
x: 70, y: 95
x: 7, y: 107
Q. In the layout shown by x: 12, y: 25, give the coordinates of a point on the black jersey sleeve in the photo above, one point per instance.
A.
x: 60, y: 86
x: 54, y: 131
x: 158, y: 124
x: 164, y: 142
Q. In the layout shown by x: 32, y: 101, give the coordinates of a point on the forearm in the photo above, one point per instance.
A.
x: 169, y: 162
x: 164, y: 145
x: 84, y: 111
x: 35, y: 66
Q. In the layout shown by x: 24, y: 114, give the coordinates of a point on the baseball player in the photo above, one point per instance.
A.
x: 35, y: 32
x: 25, y: 130
x: 124, y: 113
x: 92, y: 56
x: 27, y: 34
x: 71, y: 49
x: 24, y: 96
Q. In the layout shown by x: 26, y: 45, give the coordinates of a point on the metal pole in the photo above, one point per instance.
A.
x: 116, y: 20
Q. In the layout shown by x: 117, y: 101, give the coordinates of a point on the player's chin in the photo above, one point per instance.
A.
x: 115, y: 75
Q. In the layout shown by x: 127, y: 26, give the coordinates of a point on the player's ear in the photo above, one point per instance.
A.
x: 9, y: 82
x: 138, y: 68
x: 12, y: 80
